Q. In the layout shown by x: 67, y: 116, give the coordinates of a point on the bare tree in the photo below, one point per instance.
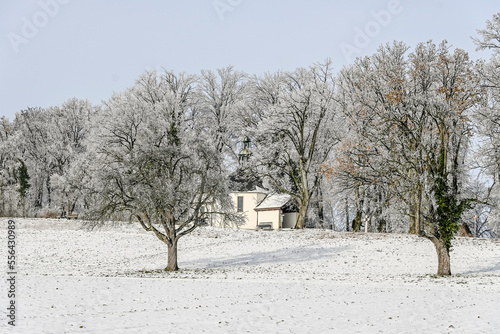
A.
x: 34, y: 130
x: 488, y: 122
x: 221, y: 96
x: 157, y: 161
x: 297, y: 131
x: 8, y: 168
x: 411, y: 116
x: 69, y: 126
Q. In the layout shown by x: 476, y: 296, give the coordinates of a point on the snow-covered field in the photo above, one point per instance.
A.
x: 72, y: 279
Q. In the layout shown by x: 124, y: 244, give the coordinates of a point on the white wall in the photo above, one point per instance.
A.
x: 250, y: 201
x: 270, y: 216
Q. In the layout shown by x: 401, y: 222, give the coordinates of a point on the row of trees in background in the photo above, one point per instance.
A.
x: 405, y: 141
x: 50, y: 144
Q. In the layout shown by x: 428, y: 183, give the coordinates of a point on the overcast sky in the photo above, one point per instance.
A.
x: 53, y: 50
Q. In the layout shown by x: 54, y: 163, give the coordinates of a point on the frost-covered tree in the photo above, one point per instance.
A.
x: 488, y: 120
x: 298, y: 129
x: 23, y: 184
x: 34, y: 129
x: 490, y: 37
x: 364, y: 161
x: 411, y: 115
x: 49, y: 141
x: 8, y: 168
x: 70, y: 124
x: 157, y: 159
x: 221, y: 95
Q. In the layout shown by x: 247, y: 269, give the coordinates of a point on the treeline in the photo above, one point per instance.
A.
x: 400, y: 141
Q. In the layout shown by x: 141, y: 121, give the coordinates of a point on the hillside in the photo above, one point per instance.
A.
x: 109, y: 279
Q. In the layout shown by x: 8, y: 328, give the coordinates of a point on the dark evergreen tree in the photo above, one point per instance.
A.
x: 23, y: 184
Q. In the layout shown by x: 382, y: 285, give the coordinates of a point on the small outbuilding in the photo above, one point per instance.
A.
x: 277, y: 211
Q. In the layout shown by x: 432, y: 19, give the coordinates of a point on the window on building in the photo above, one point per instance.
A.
x: 240, y: 203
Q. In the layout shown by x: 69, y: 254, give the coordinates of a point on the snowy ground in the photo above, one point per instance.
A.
x: 108, y: 280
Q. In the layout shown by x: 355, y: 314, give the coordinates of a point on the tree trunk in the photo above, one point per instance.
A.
x: 320, y: 208
x: 418, y: 219
x: 49, y: 191
x: 356, y: 223
x: 73, y: 205
x: 443, y: 253
x: 23, y: 203
x: 172, y: 256
x: 415, y: 217
x: 39, y: 198
x: 381, y: 226
x: 413, y: 228
x: 346, y: 215
x: 301, y: 217
x: 304, y: 202
x: 360, y: 198
x: 465, y: 230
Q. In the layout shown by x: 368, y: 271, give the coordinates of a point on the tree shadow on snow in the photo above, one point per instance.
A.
x: 484, y: 270
x: 293, y: 255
